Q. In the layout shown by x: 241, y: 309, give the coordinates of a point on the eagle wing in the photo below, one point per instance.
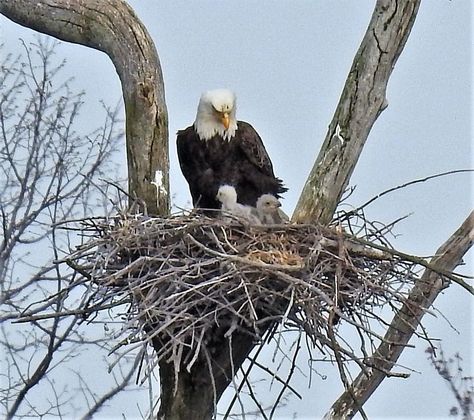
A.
x: 253, y: 148
x: 196, y: 169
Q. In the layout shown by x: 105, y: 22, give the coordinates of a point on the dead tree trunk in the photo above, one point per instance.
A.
x: 404, y: 323
x: 362, y: 101
x: 193, y: 394
x: 111, y: 26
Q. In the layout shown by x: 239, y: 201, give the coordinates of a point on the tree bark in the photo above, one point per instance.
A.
x: 405, y: 322
x: 361, y: 102
x: 193, y: 394
x: 111, y: 26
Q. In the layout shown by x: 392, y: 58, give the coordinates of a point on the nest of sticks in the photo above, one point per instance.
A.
x: 185, y: 276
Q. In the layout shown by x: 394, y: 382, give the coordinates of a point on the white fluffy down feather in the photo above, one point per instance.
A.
x: 269, y: 212
x: 227, y: 195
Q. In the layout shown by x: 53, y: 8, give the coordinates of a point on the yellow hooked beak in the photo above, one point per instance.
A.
x: 225, y: 120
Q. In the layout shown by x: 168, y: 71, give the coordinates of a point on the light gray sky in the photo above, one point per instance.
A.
x: 287, y: 62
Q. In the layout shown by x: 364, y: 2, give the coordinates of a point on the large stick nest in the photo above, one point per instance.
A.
x: 187, y: 275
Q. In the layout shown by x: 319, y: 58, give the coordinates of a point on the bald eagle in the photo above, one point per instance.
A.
x: 217, y: 150
x: 269, y: 212
x: 227, y: 195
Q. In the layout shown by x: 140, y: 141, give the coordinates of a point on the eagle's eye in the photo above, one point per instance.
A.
x: 219, y: 109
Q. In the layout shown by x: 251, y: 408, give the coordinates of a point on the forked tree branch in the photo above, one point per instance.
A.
x: 362, y: 101
x: 405, y: 322
x: 111, y: 26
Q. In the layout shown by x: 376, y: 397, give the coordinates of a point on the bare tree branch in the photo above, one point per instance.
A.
x: 111, y: 26
x: 405, y: 322
x: 460, y: 384
x: 114, y: 391
x: 404, y: 185
x: 49, y: 173
x: 362, y: 101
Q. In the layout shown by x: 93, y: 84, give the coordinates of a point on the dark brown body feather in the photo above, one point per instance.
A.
x: 241, y: 162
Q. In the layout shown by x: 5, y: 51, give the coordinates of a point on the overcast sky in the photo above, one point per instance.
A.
x: 287, y: 62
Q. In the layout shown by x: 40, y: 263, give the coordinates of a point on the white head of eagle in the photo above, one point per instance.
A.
x: 216, y: 114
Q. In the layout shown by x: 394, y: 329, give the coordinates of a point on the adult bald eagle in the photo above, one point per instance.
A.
x: 219, y: 150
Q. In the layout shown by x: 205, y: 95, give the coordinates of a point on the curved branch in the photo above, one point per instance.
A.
x: 405, y: 322
x: 111, y: 26
x: 362, y: 101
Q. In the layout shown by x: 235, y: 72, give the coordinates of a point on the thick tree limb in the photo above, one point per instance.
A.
x: 405, y: 322
x: 111, y: 26
x: 362, y: 101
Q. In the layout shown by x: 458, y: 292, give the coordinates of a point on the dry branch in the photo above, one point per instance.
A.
x: 111, y: 26
x: 404, y: 185
x: 362, y: 101
x: 196, y: 288
x: 405, y: 322
x: 193, y: 285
